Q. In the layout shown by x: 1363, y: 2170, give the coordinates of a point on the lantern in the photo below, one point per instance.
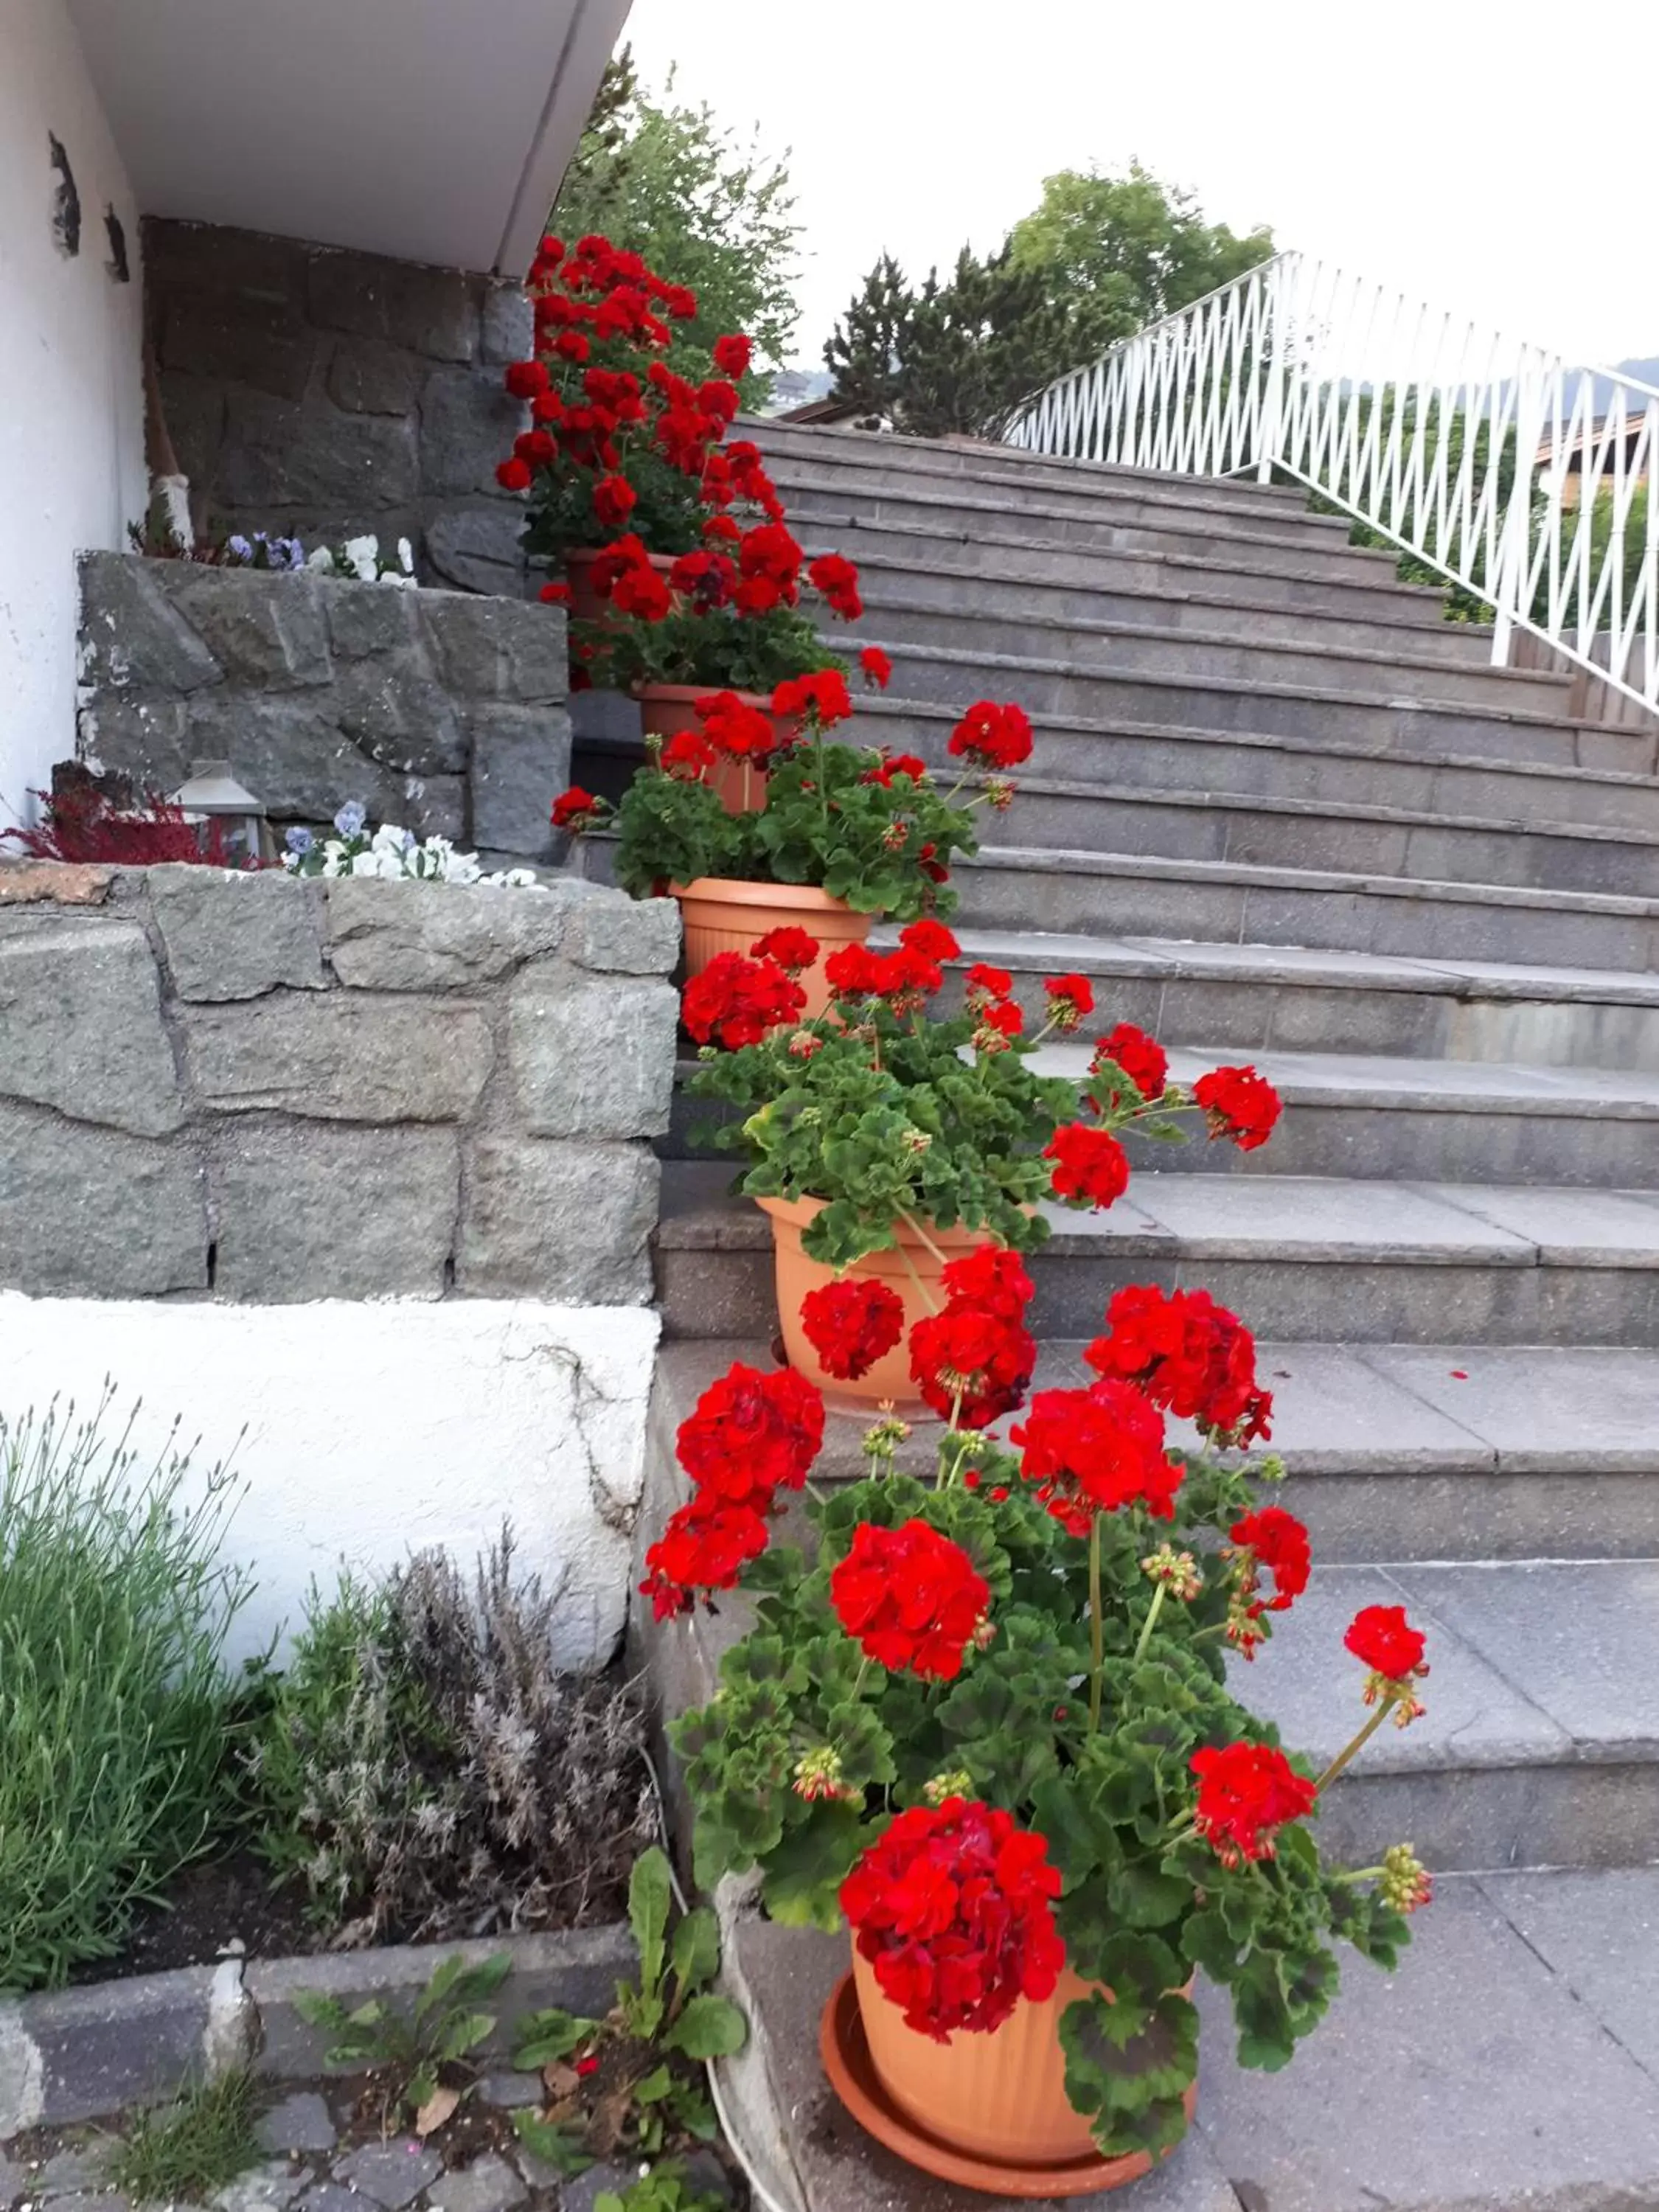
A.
x: 228, y: 820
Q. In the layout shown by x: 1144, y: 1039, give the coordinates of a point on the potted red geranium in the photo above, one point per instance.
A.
x: 984, y: 1719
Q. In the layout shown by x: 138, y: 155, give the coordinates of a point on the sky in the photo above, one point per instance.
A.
x: 1485, y: 159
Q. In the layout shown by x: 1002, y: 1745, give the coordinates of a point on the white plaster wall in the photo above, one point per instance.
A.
x: 373, y: 1430
x: 71, y: 397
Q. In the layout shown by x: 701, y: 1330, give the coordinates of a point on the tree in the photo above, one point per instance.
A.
x: 1099, y: 257
x: 1128, y: 251
x: 704, y: 208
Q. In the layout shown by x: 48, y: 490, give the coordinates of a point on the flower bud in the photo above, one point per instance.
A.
x: 1177, y: 1570
x: 958, y: 1783
x: 1407, y: 1883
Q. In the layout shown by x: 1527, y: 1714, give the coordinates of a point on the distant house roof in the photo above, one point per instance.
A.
x: 424, y: 129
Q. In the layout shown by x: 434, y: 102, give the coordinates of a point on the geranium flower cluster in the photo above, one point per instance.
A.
x: 1190, y: 1356
x: 953, y: 1907
x: 973, y: 1360
x: 751, y: 1435
x: 910, y: 1598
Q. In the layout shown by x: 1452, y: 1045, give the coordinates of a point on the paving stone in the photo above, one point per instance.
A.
x: 1599, y: 1934
x: 439, y: 937
x: 393, y: 2173
x: 1471, y: 2078
x: 102, y: 2200
x: 269, y: 2188
x: 510, y: 2093
x: 585, y: 2192
x: 1586, y: 1228
x: 1227, y: 1217
x: 15, y: 2181
x: 304, y: 1210
x: 1333, y: 1411
x: 632, y: 936
x: 233, y: 936
x: 595, y: 1062
x: 341, y: 1056
x: 78, y: 2166
x: 92, y: 1212
x: 329, y: 2196
x: 53, y: 883
x: 301, y: 2123
x: 560, y: 1221
x: 1530, y: 1404
x: 81, y: 1026
x: 489, y: 2185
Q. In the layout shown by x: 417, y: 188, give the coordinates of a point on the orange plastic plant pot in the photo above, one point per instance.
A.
x: 721, y: 914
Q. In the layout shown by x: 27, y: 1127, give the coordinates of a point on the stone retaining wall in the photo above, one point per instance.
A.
x: 327, y: 392
x: 438, y: 710
x: 258, y: 1088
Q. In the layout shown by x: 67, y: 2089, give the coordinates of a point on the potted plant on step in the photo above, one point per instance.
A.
x: 984, y: 1719
x: 846, y: 833
x: 882, y: 1142
x: 618, y: 440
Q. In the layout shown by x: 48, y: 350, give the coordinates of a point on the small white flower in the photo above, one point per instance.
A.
x: 406, y: 556
x: 364, y: 554
x: 322, y: 561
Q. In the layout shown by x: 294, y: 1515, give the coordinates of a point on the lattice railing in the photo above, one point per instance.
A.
x: 1506, y: 471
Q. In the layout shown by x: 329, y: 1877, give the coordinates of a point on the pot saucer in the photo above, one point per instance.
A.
x: 853, y: 2076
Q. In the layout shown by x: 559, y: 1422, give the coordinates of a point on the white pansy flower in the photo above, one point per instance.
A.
x: 364, y: 554
x: 322, y: 561
x: 406, y: 556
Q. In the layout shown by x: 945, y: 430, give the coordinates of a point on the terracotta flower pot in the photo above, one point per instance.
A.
x: 585, y: 603
x: 665, y: 709
x: 989, y: 2111
x: 722, y: 914
x: 905, y: 1271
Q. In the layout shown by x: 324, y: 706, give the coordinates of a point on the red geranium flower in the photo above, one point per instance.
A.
x: 614, y: 500
x: 1089, y: 1165
x: 525, y: 379
x: 556, y: 595
x: 1383, y: 1637
x: 953, y: 1906
x: 687, y: 756
x: 751, y: 1434
x: 794, y: 950
x: 852, y: 1324
x: 1239, y: 1103
x: 911, y: 1599
x: 837, y: 579
x: 877, y: 667
x: 1190, y: 1356
x: 892, y: 764
x: 992, y: 1279
x: 575, y: 809
x: 1246, y: 1791
x: 705, y: 1547
x: 513, y: 475
x: 1000, y: 736
x: 988, y: 985
x: 998, y: 1026
x: 971, y: 1363
x: 736, y: 727
x: 854, y: 972
x: 732, y: 354
x: 735, y: 1001
x: 931, y: 939
x: 641, y: 592
x: 822, y: 697
x: 1097, y: 1450
x: 1071, y: 1000
x: 1277, y: 1541
x: 1130, y: 1051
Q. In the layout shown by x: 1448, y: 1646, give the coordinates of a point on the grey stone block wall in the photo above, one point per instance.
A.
x: 263, y: 1089
x: 315, y: 390
x: 442, y: 711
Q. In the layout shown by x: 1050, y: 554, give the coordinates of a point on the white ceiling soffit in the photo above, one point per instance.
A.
x: 433, y: 129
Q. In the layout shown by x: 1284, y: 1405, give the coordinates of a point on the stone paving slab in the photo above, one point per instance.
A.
x: 1529, y: 1404
x: 1566, y: 1228
x: 1600, y: 1934
x: 1294, y: 1217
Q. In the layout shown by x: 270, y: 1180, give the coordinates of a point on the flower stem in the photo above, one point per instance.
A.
x: 1364, y: 1737
x: 911, y: 1222
x: 1151, y: 1621
x: 1097, y: 1629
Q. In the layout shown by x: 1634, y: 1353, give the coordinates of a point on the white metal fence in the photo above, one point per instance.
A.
x: 1498, y: 464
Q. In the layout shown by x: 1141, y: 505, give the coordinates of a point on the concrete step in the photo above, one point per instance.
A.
x: 1368, y: 1116
x: 1249, y: 1000
x: 822, y: 505
x: 1179, y: 605
x: 1106, y: 894
x: 1511, y: 2061
x: 869, y: 472
x: 1314, y: 1258
x: 1257, y: 574
x: 1344, y: 710
x: 1605, y: 780
x: 1353, y: 840
x: 896, y: 616
x: 856, y: 452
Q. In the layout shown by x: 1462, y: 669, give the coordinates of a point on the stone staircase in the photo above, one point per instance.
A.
x: 1279, y: 810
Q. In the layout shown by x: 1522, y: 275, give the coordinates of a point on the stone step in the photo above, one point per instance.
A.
x: 1510, y: 2061
x: 1105, y: 894
x: 823, y: 505
x: 1377, y: 717
x: 1252, y: 574
x: 864, y: 475
x: 857, y: 451
x: 1368, y: 1116
x: 897, y: 617
x: 1353, y: 840
x: 1247, y: 1001
x: 1178, y: 606
x: 1302, y: 1257
x: 1603, y: 779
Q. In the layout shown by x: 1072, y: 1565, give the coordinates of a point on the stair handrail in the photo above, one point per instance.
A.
x: 1487, y: 459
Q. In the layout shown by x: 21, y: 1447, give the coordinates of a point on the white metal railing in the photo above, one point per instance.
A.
x: 1498, y: 464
